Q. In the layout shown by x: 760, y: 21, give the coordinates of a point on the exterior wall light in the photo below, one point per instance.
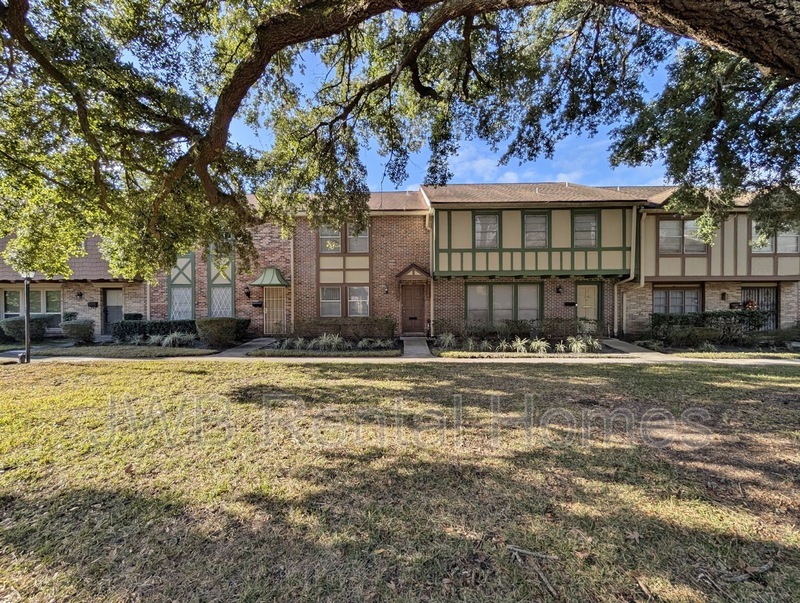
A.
x: 247, y: 291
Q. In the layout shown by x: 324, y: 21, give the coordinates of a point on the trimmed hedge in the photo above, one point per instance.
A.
x: 133, y: 316
x: 715, y: 326
x: 15, y: 327
x: 380, y: 327
x: 222, y: 331
x: 126, y: 329
x: 68, y: 316
x: 81, y: 331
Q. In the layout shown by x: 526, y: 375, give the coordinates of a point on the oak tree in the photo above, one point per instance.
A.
x: 115, y: 115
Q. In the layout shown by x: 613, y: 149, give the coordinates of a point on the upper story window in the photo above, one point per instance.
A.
x: 487, y: 228
x: 357, y: 242
x: 584, y: 230
x: 536, y: 231
x: 330, y: 239
x: 784, y: 242
x: 679, y: 236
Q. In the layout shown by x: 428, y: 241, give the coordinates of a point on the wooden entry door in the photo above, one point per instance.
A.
x: 413, y: 309
x: 588, y: 307
x: 112, y: 308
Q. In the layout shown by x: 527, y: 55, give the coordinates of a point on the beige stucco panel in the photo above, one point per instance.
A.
x: 578, y: 260
x: 516, y: 262
x: 461, y: 229
x: 612, y: 260
x: 611, y: 228
x: 466, y: 262
x: 444, y: 265
x: 480, y: 261
x: 331, y: 276
x: 357, y: 262
x: 512, y: 229
x: 455, y: 258
x: 561, y: 228
x: 727, y: 252
x: 696, y: 266
x: 493, y: 261
x: 356, y: 276
x: 763, y: 266
x: 649, y: 244
x: 443, y: 237
x: 669, y: 266
x: 331, y: 263
x: 742, y: 240
x: 789, y: 266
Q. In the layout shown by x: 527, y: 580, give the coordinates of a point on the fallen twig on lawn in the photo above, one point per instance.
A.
x: 544, y: 579
x: 521, y: 551
x: 749, y: 572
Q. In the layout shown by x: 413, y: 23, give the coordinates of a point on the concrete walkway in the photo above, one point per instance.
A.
x: 241, y: 351
x: 416, y: 347
x: 626, y: 348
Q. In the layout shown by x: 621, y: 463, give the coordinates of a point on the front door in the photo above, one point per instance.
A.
x: 588, y: 307
x: 413, y: 309
x: 274, y: 310
x: 112, y: 308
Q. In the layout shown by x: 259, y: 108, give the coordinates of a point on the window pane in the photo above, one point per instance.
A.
x: 536, y: 231
x: 502, y: 303
x: 330, y: 301
x: 486, y: 232
x: 691, y: 299
x: 585, y: 230
x: 676, y: 302
x: 691, y: 242
x: 478, y: 303
x: 181, y: 303
x: 11, y: 303
x: 788, y: 242
x: 357, y: 242
x: 36, y: 302
x: 670, y: 233
x: 358, y: 301
x: 330, y: 240
x: 660, y: 302
x: 53, y: 302
x: 528, y: 302
x: 769, y: 245
x: 221, y: 302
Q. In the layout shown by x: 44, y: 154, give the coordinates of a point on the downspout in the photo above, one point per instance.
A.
x: 429, y: 228
x: 291, y: 283
x: 635, y: 224
x: 147, y: 300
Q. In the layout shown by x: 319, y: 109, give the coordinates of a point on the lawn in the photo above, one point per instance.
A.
x: 278, y: 353
x: 121, y: 351
x: 247, y: 481
x: 744, y: 355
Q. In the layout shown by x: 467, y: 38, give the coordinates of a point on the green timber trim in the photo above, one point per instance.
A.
x: 213, y: 281
x: 189, y: 276
x: 514, y: 297
x: 450, y: 251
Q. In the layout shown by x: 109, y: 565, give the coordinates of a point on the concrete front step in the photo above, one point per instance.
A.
x: 416, y: 347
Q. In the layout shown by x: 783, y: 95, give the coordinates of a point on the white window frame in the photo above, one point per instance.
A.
x: 482, y: 230
x: 775, y: 243
x: 354, y: 241
x: 592, y: 230
x: 359, y: 301
x: 688, y: 232
x: 329, y: 301
x: 543, y: 221
x: 326, y: 234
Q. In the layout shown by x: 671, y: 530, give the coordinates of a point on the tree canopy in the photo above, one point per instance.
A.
x: 115, y: 115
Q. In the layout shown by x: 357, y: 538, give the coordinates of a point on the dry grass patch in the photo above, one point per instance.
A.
x: 248, y: 481
x: 120, y: 351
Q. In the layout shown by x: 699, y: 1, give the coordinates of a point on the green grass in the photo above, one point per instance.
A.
x: 7, y: 347
x: 742, y: 355
x: 255, y: 481
x: 479, y: 354
x: 269, y: 352
x: 120, y: 351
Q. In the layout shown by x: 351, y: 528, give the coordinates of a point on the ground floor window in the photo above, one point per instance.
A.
x: 492, y: 304
x: 676, y: 301
x: 764, y: 299
x: 330, y: 302
x: 42, y: 302
x: 358, y: 301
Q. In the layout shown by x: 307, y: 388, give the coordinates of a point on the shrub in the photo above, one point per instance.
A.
x: 15, y: 327
x: 221, y: 331
x: 329, y: 342
x: 503, y: 346
x: 178, y: 340
x: 732, y: 326
x: 386, y: 344
x: 707, y: 347
x: 593, y: 344
x: 155, y: 339
x: 470, y: 344
x: 486, y: 346
x: 560, y: 348
x: 539, y: 346
x: 365, y: 344
x: 376, y: 327
x: 693, y: 336
x: 576, y: 345
x: 68, y: 316
x: 126, y: 329
x: 81, y: 331
x: 133, y: 316
x: 507, y: 329
x: 520, y: 344
x: 445, y: 341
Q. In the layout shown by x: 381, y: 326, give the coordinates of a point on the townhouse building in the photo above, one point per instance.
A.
x: 441, y: 257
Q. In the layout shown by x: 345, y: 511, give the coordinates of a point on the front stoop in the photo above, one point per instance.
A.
x: 628, y: 348
x: 416, y: 347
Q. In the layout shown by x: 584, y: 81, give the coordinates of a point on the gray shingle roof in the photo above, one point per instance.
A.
x: 533, y: 193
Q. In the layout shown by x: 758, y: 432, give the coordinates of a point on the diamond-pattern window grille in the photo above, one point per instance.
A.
x: 181, y: 303
x: 221, y: 302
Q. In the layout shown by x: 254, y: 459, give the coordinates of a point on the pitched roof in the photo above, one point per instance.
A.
x: 91, y: 267
x: 534, y: 193
x: 397, y: 201
x: 654, y: 195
